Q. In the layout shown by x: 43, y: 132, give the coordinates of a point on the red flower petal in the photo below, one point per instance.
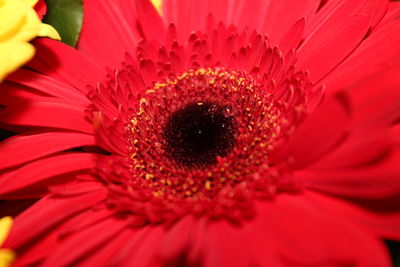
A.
x: 63, y: 64
x: 320, y: 132
x: 386, y: 224
x: 321, y: 52
x: 140, y: 251
x: 177, y: 239
x: 87, y: 240
x: 43, y: 169
x: 376, y: 100
x: 375, y: 53
x: 46, y: 213
x: 50, y: 86
x: 41, y: 8
x: 150, y: 21
x: 292, y: 231
x: 40, y: 250
x: 279, y: 18
x: 23, y: 148
x: 46, y: 114
x: 294, y: 36
x: 371, y: 181
x: 107, y: 37
x: 374, y: 145
x: 108, y: 250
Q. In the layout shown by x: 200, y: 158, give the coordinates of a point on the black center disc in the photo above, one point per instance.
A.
x: 199, y: 132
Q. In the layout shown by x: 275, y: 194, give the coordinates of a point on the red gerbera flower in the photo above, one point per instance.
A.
x: 199, y: 137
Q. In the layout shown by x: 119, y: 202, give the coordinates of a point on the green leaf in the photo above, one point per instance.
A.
x: 66, y: 16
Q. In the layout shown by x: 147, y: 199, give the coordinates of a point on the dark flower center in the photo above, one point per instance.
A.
x: 199, y: 132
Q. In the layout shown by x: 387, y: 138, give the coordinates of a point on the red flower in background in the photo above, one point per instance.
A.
x: 201, y: 137
x: 41, y: 8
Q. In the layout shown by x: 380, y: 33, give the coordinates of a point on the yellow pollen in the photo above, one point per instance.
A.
x: 149, y: 176
x: 208, y: 185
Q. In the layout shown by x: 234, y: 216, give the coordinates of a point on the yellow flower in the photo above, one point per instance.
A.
x: 157, y: 4
x: 19, y: 23
x: 6, y: 255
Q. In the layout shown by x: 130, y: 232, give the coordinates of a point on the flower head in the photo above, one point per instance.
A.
x: 218, y: 134
x: 19, y: 24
